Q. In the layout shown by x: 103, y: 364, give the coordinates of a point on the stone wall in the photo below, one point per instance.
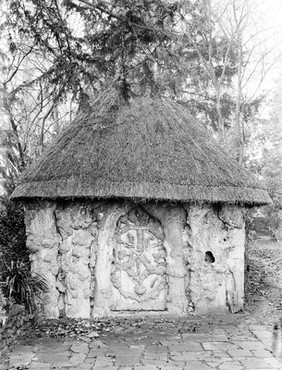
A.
x: 214, y: 255
x: 18, y: 321
x: 62, y: 239
x: 195, y: 259
x: 43, y: 243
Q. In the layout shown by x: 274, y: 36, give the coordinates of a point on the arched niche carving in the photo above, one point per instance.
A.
x: 138, y: 276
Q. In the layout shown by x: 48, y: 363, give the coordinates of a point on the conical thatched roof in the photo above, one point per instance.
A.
x: 147, y: 148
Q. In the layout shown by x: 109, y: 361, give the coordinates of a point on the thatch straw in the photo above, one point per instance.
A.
x: 149, y: 148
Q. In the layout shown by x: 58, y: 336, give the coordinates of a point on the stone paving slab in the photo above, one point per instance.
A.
x: 223, y: 347
x: 186, y: 347
x: 204, y: 338
x: 21, y: 359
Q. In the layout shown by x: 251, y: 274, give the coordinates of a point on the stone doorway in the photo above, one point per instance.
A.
x: 139, y: 280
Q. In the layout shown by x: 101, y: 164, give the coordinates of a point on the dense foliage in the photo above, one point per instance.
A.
x: 160, y: 44
x: 12, y: 231
x: 17, y: 283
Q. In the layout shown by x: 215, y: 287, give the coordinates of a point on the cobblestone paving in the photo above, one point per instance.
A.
x: 223, y: 345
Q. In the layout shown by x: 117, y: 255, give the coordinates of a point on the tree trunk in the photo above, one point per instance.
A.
x: 238, y: 111
x: 220, y: 119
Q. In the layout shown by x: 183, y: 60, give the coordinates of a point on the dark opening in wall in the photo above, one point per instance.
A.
x: 209, y: 257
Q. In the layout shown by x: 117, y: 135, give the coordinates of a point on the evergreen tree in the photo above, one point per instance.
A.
x: 61, y: 53
x: 141, y: 42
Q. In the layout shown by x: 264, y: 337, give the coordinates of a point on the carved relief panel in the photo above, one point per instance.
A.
x: 139, y: 263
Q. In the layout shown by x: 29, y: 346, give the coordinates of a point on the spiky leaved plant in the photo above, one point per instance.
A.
x: 19, y: 283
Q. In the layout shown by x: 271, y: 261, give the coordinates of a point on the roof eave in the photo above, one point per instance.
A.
x: 101, y: 188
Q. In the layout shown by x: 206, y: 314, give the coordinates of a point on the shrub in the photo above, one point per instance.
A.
x: 12, y: 231
x: 17, y: 282
x: 20, y: 284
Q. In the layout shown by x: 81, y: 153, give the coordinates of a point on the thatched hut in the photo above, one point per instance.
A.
x: 136, y: 208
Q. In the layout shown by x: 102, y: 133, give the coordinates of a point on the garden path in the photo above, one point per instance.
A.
x: 229, y: 342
